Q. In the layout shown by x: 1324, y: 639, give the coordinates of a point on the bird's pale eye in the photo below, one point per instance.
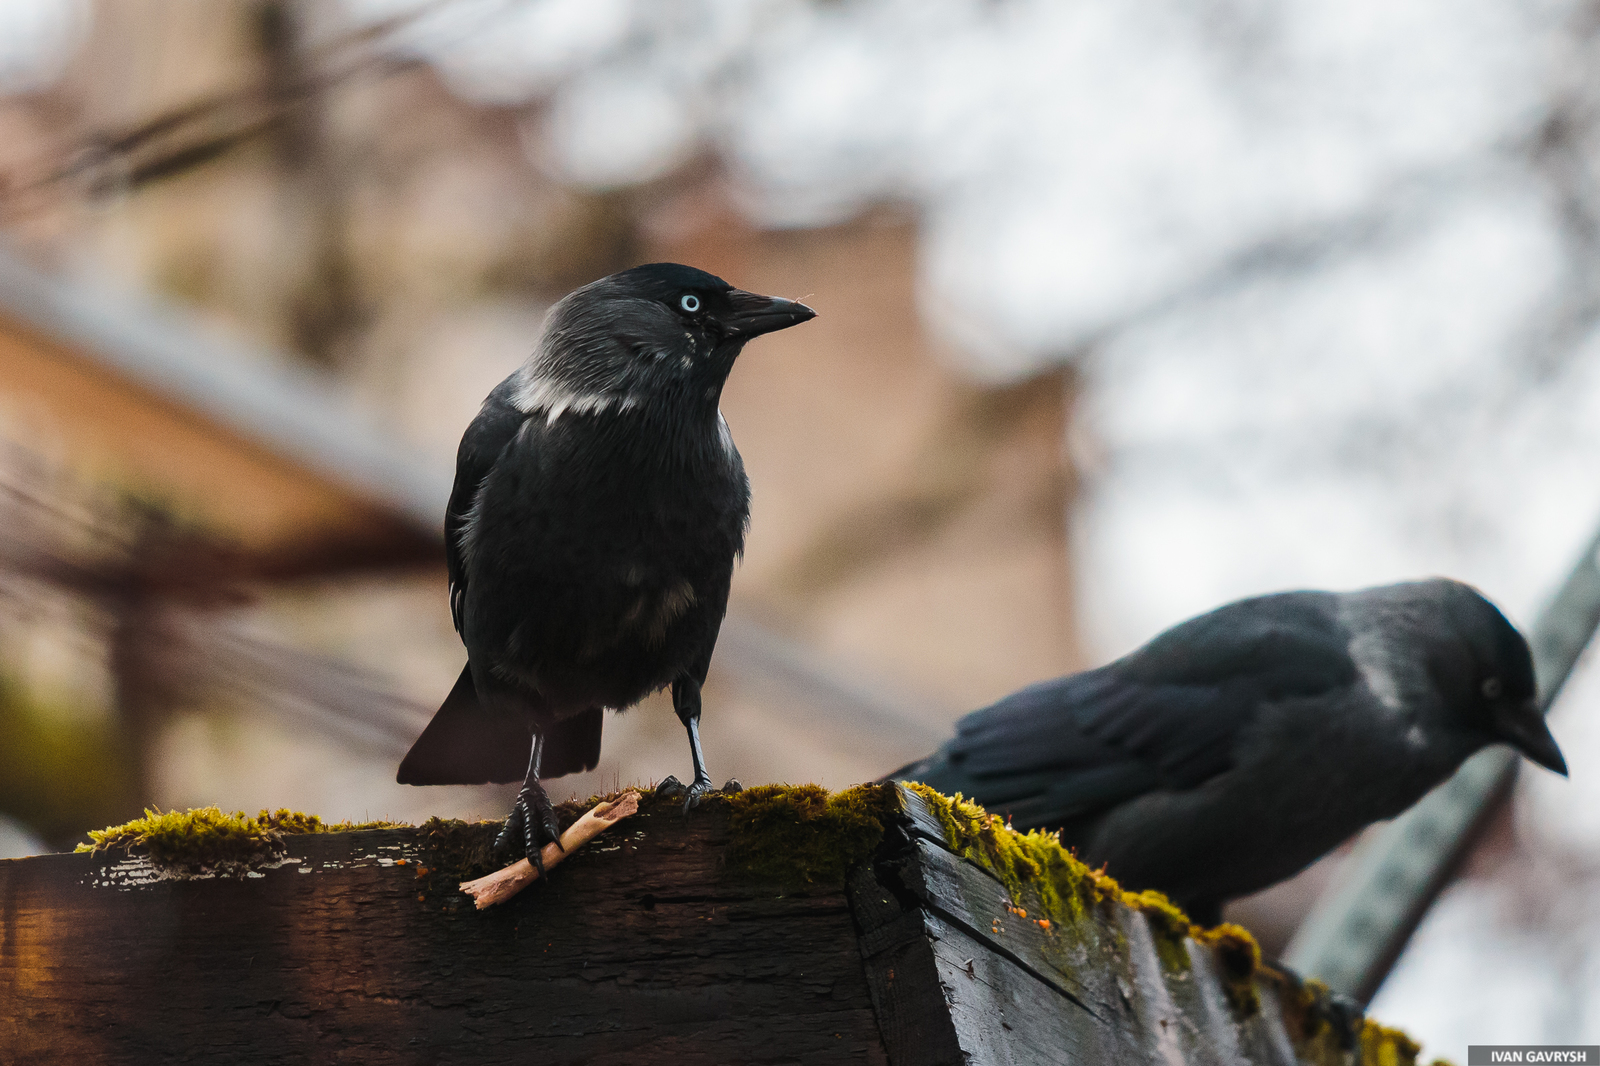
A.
x: 690, y: 303
x: 1491, y: 688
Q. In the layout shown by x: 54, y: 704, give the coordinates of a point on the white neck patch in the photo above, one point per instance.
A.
x: 1366, y: 649
x: 535, y: 393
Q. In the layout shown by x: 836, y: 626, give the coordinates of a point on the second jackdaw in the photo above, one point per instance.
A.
x: 1236, y: 748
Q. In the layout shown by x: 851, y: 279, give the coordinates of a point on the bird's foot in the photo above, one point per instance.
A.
x: 534, y: 819
x: 701, y: 786
x: 672, y: 788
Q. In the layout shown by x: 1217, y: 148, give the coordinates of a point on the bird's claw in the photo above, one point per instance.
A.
x: 694, y: 792
x: 672, y: 788
x: 533, y: 817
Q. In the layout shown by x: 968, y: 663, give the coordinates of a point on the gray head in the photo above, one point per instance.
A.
x: 1477, y: 663
x: 657, y: 334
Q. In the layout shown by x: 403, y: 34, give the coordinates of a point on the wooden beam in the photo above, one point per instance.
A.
x: 651, y: 945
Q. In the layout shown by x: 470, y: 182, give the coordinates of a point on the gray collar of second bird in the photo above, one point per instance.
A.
x: 657, y: 334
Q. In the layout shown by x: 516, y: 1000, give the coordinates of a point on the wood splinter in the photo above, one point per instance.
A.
x: 503, y: 884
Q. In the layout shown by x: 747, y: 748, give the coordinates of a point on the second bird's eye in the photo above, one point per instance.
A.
x: 690, y: 303
x: 1491, y: 688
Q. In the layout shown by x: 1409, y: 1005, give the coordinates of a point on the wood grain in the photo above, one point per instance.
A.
x: 641, y: 948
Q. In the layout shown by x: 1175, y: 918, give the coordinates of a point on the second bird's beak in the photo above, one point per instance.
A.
x: 1523, y: 727
x: 754, y: 314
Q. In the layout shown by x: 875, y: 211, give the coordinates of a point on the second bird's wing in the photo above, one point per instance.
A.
x: 481, y: 445
x: 1166, y: 717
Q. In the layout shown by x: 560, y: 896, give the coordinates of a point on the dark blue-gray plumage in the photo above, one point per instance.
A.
x: 1235, y: 749
x: 598, y: 508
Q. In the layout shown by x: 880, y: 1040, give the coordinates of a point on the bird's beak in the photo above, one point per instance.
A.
x: 1524, y: 728
x: 754, y: 314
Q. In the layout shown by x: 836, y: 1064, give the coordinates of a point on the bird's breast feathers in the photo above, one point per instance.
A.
x: 651, y: 612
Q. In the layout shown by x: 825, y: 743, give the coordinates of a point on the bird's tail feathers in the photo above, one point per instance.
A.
x: 572, y: 745
x: 469, y: 743
x: 466, y: 744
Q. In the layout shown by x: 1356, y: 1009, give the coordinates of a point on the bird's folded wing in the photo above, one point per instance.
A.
x: 482, y: 444
x: 1166, y: 717
x: 1181, y: 701
x: 467, y: 744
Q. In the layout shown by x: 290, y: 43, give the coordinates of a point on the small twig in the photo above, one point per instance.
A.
x: 503, y: 884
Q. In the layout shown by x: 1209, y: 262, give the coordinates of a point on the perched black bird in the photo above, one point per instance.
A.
x: 1235, y: 749
x: 599, y: 505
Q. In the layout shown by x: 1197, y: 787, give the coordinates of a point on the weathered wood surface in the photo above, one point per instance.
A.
x: 962, y: 973
x: 636, y: 951
x: 642, y: 948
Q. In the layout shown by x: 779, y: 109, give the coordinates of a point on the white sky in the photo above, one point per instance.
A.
x: 37, y: 37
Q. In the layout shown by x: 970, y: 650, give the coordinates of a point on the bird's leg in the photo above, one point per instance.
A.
x: 533, y: 815
x: 686, y: 701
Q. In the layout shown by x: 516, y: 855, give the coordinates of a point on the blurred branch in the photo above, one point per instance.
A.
x: 301, y: 689
x: 185, y: 137
x: 160, y: 590
x: 864, y: 708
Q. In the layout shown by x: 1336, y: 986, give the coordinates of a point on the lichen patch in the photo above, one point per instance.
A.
x: 207, y: 839
x: 1069, y: 890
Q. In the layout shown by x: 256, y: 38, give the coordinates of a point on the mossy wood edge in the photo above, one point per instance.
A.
x: 881, y: 924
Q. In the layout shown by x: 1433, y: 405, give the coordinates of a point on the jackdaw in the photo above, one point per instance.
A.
x: 598, y: 508
x: 1236, y: 748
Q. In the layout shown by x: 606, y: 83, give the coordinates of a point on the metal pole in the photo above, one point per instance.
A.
x: 1359, y: 926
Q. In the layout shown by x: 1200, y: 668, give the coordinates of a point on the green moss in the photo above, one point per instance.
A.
x: 800, y: 834
x: 1069, y: 890
x: 1304, y: 1004
x: 206, y: 837
x: 1169, y: 926
x: 1382, y: 1046
x: 1325, y: 1027
x: 1065, y: 887
x: 1239, y: 956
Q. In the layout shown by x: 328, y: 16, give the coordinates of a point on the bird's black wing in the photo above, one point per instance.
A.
x: 485, y: 439
x: 465, y: 743
x: 1165, y: 717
